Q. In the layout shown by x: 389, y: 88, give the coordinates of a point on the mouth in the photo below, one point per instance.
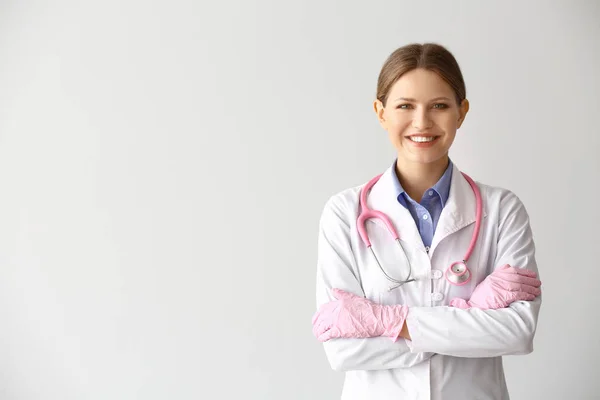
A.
x: 423, y: 138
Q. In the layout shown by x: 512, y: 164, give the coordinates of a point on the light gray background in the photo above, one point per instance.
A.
x: 163, y: 166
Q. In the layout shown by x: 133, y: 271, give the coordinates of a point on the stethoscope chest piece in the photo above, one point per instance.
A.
x: 458, y: 273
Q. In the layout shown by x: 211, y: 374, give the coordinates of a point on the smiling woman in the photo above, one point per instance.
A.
x: 385, y: 247
x: 421, y: 102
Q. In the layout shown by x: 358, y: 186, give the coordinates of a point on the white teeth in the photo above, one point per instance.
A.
x: 422, y: 139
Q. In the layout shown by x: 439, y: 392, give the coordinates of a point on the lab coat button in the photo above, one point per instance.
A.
x: 437, y: 296
x: 436, y: 274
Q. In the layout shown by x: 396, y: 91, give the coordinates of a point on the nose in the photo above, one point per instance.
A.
x: 421, y: 120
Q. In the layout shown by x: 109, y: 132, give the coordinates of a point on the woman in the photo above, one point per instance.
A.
x: 392, y: 315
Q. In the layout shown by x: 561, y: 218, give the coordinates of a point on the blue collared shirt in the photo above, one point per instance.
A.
x: 426, y: 213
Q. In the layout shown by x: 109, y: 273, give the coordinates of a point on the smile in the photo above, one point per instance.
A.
x: 423, y: 139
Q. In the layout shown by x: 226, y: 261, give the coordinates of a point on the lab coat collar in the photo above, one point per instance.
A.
x: 459, y: 211
x: 382, y: 198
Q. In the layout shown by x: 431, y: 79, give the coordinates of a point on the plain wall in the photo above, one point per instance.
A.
x: 164, y: 164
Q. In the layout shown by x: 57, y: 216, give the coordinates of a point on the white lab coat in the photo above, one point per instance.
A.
x: 454, y: 353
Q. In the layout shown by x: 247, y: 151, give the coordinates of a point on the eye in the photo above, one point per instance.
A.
x: 404, y: 106
x: 440, y: 105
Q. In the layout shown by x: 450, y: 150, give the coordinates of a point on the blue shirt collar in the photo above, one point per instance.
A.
x: 442, y: 187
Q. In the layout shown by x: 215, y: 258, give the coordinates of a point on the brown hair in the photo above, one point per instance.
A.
x: 430, y: 56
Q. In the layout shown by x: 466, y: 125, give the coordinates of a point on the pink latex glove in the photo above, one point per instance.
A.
x: 352, y: 316
x: 501, y: 288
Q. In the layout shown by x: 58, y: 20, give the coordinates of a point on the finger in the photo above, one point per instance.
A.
x: 315, y: 316
x: 324, y: 336
x: 518, y: 271
x: 517, y: 287
x: 525, y: 280
x: 323, y: 308
x: 329, y: 334
x: 520, y: 296
x: 324, y: 318
x: 506, y: 286
x: 315, y: 324
x: 526, y: 272
x: 459, y: 303
x: 536, y: 291
x: 321, y: 326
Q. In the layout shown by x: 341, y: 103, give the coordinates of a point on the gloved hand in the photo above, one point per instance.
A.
x: 501, y: 288
x: 352, y: 316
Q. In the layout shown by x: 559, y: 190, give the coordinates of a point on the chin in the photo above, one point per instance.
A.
x: 426, y: 158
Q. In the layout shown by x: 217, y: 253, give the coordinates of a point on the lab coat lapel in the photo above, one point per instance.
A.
x: 383, y: 198
x: 460, y: 209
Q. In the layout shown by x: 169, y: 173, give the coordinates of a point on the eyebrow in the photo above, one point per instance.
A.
x: 413, y: 100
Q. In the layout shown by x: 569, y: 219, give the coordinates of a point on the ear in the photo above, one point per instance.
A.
x: 463, y: 110
x: 379, y: 109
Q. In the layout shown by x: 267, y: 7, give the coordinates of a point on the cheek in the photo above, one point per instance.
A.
x: 397, y: 122
x: 447, y: 123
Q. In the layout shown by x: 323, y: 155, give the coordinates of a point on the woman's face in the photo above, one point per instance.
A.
x: 421, y: 116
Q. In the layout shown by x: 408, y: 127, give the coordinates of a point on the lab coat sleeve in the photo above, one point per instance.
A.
x: 485, y: 333
x: 336, y: 268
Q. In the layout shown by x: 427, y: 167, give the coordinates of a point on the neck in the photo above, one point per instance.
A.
x: 416, y: 178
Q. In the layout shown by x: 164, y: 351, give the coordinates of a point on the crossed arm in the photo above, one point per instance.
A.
x: 445, y: 330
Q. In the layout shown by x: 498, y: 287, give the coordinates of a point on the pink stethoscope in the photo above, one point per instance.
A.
x: 457, y: 273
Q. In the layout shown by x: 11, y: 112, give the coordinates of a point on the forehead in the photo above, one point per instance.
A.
x: 420, y: 84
